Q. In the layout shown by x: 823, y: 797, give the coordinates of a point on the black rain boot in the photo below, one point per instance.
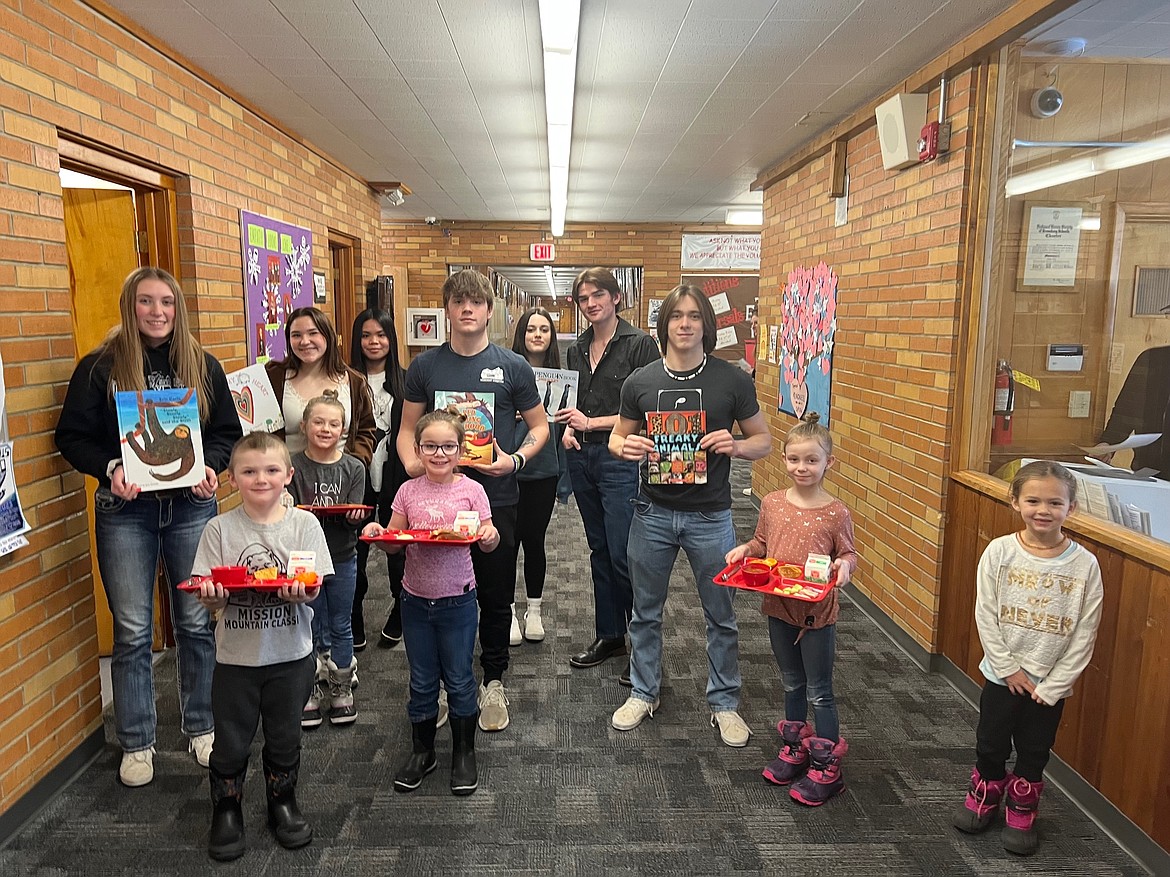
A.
x: 422, y: 757
x: 284, y: 816
x: 464, y: 774
x: 227, y: 817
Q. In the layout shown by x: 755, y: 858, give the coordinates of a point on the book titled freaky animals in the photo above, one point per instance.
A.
x: 162, y: 444
x: 479, y: 426
x: 677, y: 457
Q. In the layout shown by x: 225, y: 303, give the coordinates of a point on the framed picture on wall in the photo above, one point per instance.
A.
x: 1050, y: 246
x: 425, y: 327
x: 655, y: 305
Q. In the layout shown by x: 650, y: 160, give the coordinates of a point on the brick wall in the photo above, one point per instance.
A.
x: 64, y: 68
x: 899, y: 263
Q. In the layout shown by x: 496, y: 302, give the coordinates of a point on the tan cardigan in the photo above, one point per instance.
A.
x: 360, y: 442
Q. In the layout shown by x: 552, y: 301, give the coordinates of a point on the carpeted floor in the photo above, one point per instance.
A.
x: 562, y: 793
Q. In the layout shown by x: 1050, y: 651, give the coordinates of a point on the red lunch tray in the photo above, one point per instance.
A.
x: 342, y: 508
x: 250, y: 584
x: 810, y: 592
x: 405, y: 537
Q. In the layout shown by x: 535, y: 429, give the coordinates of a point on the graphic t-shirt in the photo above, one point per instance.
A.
x: 435, y: 571
x: 257, y: 628
x: 326, y: 484
x: 504, y: 374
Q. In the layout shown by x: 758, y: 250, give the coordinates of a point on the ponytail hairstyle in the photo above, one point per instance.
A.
x: 449, y: 415
x: 1044, y: 469
x: 123, y: 344
x: 808, y: 429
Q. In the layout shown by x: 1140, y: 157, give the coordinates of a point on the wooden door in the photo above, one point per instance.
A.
x: 100, y: 242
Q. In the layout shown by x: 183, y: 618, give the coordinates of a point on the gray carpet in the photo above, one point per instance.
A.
x: 562, y: 793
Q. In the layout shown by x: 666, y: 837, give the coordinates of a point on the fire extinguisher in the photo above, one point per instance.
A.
x: 1005, y: 403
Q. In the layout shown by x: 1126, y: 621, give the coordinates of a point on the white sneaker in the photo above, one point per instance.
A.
x: 137, y: 767
x: 493, y: 707
x: 533, y: 626
x: 732, y: 728
x: 630, y: 714
x: 201, y: 746
x: 444, y: 711
x: 515, y: 637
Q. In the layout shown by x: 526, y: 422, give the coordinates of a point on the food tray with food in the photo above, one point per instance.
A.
x: 342, y: 508
x: 434, y: 537
x: 239, y: 579
x: 769, y: 576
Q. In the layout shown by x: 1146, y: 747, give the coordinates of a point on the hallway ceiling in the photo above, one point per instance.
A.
x: 680, y: 103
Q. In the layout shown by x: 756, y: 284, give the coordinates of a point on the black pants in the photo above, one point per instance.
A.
x: 532, y: 517
x: 1007, y: 719
x: 395, y: 563
x: 242, y: 696
x: 495, y: 588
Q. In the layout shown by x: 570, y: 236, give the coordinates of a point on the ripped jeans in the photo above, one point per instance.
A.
x: 806, y: 669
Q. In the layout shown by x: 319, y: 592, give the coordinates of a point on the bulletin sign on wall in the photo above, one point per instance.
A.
x: 804, y: 346
x: 278, y: 279
x: 732, y: 297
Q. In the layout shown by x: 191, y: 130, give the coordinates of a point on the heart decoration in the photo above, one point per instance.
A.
x: 243, y: 400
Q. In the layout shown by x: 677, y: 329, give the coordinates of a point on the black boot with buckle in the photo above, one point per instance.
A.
x: 284, y: 816
x: 227, y: 817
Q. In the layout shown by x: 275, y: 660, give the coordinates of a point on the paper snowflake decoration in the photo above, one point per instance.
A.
x: 253, y: 266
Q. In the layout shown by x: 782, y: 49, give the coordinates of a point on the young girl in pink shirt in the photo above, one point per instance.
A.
x: 805, y: 519
x: 439, y: 613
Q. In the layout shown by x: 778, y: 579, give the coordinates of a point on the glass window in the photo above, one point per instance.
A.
x: 1078, y: 319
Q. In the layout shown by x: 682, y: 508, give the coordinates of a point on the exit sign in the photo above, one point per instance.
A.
x: 542, y: 252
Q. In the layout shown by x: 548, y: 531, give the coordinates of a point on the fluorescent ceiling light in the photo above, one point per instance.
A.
x: 560, y: 21
x: 1114, y: 158
x: 548, y: 276
x: 745, y: 216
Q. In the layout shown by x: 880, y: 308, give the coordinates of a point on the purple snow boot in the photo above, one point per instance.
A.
x: 792, y: 761
x: 982, y: 801
x: 823, y: 780
x: 1019, y: 831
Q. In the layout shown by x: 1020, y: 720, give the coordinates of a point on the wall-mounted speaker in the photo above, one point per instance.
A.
x: 899, y: 122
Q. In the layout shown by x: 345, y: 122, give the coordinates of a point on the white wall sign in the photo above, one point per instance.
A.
x: 738, y: 251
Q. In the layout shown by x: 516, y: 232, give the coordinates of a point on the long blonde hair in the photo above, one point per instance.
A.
x: 123, y: 344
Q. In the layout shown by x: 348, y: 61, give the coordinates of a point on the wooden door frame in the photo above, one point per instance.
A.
x: 345, y: 309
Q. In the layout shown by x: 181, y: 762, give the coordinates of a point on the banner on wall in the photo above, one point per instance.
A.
x: 278, y: 279
x: 727, y: 252
x: 732, y: 297
x: 804, y: 344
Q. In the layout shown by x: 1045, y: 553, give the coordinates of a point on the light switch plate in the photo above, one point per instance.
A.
x: 1078, y: 403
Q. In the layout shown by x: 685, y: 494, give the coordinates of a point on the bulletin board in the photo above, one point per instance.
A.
x: 731, y: 296
x: 278, y: 279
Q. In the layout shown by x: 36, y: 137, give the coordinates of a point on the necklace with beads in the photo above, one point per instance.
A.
x: 1027, y: 544
x: 694, y: 374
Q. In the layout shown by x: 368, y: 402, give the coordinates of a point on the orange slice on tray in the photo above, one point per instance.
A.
x: 307, y: 577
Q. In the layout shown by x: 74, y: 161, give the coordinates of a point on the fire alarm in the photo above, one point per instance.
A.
x: 928, y: 142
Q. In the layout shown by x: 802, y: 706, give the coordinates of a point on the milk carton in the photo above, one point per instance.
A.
x: 466, y: 523
x: 817, y: 567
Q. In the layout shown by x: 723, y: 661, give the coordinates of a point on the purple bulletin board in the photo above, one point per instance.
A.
x: 278, y: 279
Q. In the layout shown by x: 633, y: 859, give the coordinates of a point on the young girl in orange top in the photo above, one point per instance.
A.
x: 805, y: 519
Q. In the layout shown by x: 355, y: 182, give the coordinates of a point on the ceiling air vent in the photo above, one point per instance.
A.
x: 1151, y: 292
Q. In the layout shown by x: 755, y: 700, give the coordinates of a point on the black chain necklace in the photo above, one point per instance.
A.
x: 678, y: 377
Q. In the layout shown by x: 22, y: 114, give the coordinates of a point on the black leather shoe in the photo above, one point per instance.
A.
x: 392, y: 629
x: 624, y: 679
x: 598, y: 652
x: 358, y: 625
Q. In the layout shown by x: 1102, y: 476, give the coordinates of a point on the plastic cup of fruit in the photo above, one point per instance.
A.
x: 229, y: 575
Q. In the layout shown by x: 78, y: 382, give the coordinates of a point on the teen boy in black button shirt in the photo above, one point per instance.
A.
x: 604, y: 356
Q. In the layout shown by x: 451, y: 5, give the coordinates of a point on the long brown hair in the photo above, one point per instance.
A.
x: 673, y: 301
x: 332, y: 362
x: 123, y: 344
x: 552, y: 353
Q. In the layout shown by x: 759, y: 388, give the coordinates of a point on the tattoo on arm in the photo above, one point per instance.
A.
x: 528, y: 442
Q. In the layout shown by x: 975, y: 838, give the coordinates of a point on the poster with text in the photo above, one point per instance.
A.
x: 731, y: 296
x: 804, y: 347
x: 256, y: 402
x: 278, y: 279
x: 12, y: 521
x: 727, y: 252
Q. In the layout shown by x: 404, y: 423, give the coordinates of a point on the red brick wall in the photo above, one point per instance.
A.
x: 64, y: 68
x: 899, y: 263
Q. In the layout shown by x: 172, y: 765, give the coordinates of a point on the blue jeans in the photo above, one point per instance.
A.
x: 605, y: 488
x: 806, y: 669
x: 131, y: 535
x: 333, y: 613
x: 440, y: 642
x: 656, y: 536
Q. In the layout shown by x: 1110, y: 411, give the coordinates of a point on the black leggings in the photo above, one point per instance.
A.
x: 395, y: 563
x: 1006, y: 719
x: 532, y: 516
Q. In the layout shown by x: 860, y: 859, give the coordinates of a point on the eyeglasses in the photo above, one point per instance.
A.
x: 447, y: 450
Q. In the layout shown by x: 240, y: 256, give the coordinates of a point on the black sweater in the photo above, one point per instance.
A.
x: 87, y: 432
x: 1143, y: 405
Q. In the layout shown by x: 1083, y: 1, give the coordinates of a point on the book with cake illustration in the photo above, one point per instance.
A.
x: 479, y: 425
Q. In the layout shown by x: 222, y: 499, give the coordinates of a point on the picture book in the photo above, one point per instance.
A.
x: 677, y: 457
x: 557, y: 388
x: 256, y: 401
x: 162, y: 443
x: 479, y: 427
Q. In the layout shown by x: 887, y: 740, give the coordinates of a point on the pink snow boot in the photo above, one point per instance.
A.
x: 1019, y: 831
x: 823, y: 780
x: 792, y: 761
x: 982, y: 801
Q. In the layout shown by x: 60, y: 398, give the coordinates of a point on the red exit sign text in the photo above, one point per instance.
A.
x: 542, y: 252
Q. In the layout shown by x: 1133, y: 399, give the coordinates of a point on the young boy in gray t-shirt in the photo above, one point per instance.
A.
x: 264, y: 664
